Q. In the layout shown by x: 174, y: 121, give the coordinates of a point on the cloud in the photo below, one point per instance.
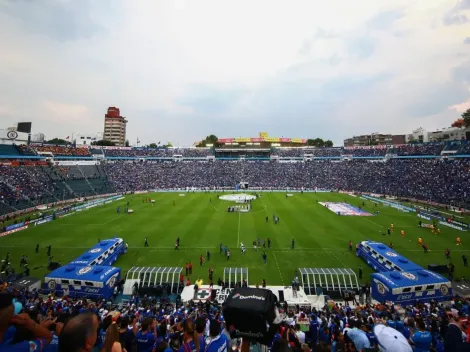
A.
x: 462, y: 72
x: 181, y: 70
x: 59, y: 20
x: 362, y: 47
x: 384, y: 20
x: 463, y: 5
x: 455, y: 19
x: 456, y: 16
x: 462, y: 107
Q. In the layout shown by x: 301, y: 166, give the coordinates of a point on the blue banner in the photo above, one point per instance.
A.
x: 14, y: 226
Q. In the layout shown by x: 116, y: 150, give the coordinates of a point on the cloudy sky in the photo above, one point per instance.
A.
x: 180, y: 70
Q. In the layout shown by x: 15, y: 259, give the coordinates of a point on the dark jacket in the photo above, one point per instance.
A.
x: 453, y: 340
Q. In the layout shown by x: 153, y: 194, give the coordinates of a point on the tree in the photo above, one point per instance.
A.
x: 152, y: 145
x: 318, y: 142
x: 103, y: 142
x: 211, y: 139
x: 127, y: 143
x: 57, y: 141
x: 460, y: 123
x: 466, y: 118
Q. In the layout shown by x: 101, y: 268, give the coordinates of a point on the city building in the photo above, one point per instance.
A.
x: 114, y: 127
x: 38, y: 138
x: 419, y: 135
x: 87, y: 138
x: 449, y: 134
x: 374, y: 139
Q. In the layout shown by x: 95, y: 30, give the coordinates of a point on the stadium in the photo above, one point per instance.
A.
x: 317, y: 234
x: 310, y: 214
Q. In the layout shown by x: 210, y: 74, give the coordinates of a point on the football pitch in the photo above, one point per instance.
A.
x: 202, y: 223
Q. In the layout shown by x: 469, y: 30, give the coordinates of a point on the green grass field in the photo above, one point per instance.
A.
x: 202, y: 223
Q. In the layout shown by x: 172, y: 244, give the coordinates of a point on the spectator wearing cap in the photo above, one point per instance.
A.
x: 79, y: 334
x: 9, y: 316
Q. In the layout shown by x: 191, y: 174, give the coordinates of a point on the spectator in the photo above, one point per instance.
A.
x: 112, y: 340
x: 218, y: 341
x: 454, y: 337
x: 190, y: 337
x: 79, y: 334
x: 146, y: 336
x: 10, y: 320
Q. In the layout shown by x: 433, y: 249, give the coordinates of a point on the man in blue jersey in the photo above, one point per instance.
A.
x: 314, y: 326
x: 219, y: 342
x: 145, y: 337
x: 421, y: 338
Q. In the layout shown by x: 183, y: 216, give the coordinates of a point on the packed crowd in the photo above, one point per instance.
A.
x: 418, y: 149
x: 30, y: 321
x: 446, y: 182
x: 425, y: 149
x: 441, y: 181
x: 17, y: 183
x: 159, y: 153
x: 62, y: 150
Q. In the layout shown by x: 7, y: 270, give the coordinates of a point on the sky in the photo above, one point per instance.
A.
x: 181, y: 70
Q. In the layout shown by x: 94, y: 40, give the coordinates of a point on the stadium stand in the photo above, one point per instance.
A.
x: 441, y: 181
x: 57, y: 150
x: 418, y: 149
x: 303, y: 329
x: 8, y: 150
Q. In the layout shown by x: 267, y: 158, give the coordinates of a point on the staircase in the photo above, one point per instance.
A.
x: 129, y: 286
x: 86, y: 179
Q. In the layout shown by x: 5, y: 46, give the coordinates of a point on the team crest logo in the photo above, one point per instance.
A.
x: 96, y: 250
x: 112, y: 282
x: 52, y: 285
x: 444, y: 290
x: 12, y: 135
x: 409, y: 276
x: 84, y: 270
x: 391, y: 254
x: 381, y: 288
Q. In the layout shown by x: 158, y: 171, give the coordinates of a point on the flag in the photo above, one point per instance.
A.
x: 67, y: 137
x: 138, y: 140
